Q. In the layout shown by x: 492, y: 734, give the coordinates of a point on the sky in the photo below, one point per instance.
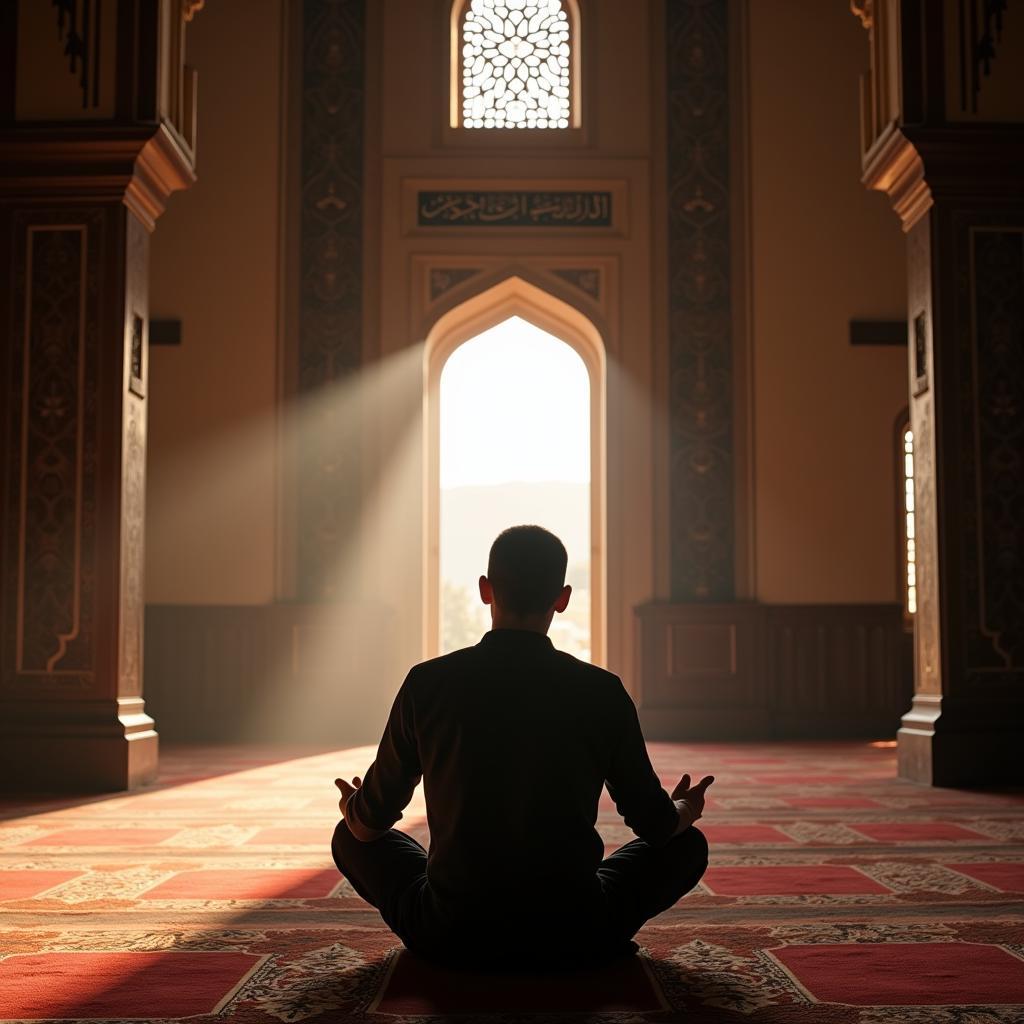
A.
x: 515, y: 405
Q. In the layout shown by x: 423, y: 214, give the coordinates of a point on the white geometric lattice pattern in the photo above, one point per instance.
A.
x: 515, y: 64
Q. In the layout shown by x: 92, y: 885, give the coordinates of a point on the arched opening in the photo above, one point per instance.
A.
x: 514, y: 446
x: 514, y: 404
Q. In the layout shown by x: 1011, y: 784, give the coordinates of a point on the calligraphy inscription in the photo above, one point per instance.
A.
x: 514, y: 209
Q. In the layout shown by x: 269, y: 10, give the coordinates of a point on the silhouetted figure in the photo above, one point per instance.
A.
x: 514, y: 741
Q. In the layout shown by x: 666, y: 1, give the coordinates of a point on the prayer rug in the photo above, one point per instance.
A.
x: 100, y: 985
x: 744, y: 834
x: 275, y: 884
x: 104, y: 837
x: 23, y: 885
x: 415, y: 988
x: 780, y: 880
x: 836, y: 893
x: 1004, y: 877
x: 937, y: 973
x: 927, y: 832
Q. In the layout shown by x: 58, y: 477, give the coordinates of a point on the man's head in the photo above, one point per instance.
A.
x: 526, y: 575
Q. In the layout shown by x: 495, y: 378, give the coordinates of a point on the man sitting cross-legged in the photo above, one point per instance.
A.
x: 514, y: 740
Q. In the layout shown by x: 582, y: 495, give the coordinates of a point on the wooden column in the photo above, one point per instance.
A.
x: 944, y: 139
x: 86, y: 171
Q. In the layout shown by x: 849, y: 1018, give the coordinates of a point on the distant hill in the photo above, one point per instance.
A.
x: 471, y: 517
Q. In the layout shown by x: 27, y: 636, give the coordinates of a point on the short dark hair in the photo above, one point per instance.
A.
x: 526, y: 568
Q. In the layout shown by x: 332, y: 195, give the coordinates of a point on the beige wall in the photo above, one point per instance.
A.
x: 825, y: 250
x: 215, y: 257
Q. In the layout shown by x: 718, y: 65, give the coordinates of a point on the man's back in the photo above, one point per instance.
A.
x: 514, y: 741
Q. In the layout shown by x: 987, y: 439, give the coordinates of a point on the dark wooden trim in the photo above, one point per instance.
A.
x: 8, y: 59
x: 273, y: 672
x: 137, y: 43
x: 165, y: 332
x: 747, y: 670
x: 299, y: 672
x: 124, y: 81
x: 922, y: 64
x: 878, y: 332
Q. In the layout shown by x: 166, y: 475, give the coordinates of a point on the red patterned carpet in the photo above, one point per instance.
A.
x: 835, y: 893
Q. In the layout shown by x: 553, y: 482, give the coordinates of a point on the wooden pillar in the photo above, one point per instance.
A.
x: 88, y: 156
x: 944, y: 138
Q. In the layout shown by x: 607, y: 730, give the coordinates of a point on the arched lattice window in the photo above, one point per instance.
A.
x: 908, y: 533
x: 515, y: 64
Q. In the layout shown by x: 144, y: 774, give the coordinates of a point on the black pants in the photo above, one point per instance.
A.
x: 635, y: 883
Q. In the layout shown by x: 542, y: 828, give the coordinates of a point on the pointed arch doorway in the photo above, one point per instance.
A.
x: 514, y: 333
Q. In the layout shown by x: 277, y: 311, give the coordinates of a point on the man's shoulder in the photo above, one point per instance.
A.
x: 593, y: 674
x: 442, y: 665
x: 469, y: 659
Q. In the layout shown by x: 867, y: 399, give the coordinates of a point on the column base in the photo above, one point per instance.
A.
x: 93, y: 748
x: 940, y: 745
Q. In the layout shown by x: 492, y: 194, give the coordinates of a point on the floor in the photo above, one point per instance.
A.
x: 836, y: 892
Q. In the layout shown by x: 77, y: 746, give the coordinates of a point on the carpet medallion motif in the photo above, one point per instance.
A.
x: 836, y: 892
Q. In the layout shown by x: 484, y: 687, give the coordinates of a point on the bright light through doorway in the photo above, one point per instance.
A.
x: 515, y: 448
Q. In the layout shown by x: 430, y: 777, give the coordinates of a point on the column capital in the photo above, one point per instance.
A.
x: 917, y: 166
x: 894, y: 166
x: 140, y: 165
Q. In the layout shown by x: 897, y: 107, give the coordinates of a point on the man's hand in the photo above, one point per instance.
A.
x: 348, y: 790
x: 689, y: 800
x: 362, y: 832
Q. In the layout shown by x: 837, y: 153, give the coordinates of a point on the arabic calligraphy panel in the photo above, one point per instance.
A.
x: 518, y: 209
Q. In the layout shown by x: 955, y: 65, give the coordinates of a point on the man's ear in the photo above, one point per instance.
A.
x: 562, y: 601
x: 486, y: 590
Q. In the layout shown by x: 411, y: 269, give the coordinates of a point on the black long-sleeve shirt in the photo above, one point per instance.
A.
x: 514, y: 740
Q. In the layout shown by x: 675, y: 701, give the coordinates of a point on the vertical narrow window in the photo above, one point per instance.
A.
x: 909, y: 531
x: 515, y: 64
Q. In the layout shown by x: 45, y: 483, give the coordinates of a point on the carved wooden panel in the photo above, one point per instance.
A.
x: 330, y: 313
x: 992, y: 425
x: 983, y: 79
x: 701, y: 650
x: 50, y: 527
x: 282, y: 672
x: 700, y: 333
x: 749, y: 670
x: 836, y: 660
x: 700, y: 660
